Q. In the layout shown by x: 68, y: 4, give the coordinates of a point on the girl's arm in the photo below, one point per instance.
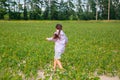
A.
x: 49, y: 39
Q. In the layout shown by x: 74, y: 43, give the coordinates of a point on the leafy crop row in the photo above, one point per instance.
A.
x: 93, y: 49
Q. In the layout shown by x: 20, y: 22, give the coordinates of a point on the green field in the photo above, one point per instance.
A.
x: 93, y: 49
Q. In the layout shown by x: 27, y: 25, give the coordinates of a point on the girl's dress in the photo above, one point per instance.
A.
x: 59, y: 44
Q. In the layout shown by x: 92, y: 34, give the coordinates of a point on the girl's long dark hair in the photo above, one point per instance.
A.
x: 58, y: 27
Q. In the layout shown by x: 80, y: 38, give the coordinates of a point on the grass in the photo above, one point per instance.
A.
x: 93, y: 47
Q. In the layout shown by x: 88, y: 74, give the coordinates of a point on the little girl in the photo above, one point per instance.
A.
x: 60, y: 40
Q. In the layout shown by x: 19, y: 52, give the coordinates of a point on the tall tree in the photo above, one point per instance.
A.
x: 115, y: 9
x: 70, y: 9
x: 25, y: 11
x: 79, y: 9
x: 104, y: 9
x: 93, y: 8
x: 62, y: 10
x: 54, y: 9
x: 108, y: 9
x: 13, y: 14
x: 9, y: 10
x: 36, y: 9
x: 3, y: 9
x: 46, y: 13
x: 19, y: 8
x: 97, y: 9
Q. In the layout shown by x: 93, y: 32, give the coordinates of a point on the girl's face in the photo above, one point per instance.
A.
x: 59, y: 28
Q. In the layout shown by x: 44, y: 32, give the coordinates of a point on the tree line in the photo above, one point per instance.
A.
x: 60, y: 9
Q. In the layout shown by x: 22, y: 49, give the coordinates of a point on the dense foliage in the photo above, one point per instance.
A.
x: 93, y: 49
x: 60, y: 9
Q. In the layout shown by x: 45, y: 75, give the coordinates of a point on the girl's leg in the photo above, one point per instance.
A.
x: 55, y: 64
x: 59, y: 63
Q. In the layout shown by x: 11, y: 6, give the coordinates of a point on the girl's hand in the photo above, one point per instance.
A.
x: 47, y: 39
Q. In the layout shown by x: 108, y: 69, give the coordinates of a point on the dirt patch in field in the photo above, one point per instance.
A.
x: 103, y: 77
x: 40, y: 75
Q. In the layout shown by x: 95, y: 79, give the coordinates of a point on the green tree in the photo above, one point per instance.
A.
x: 79, y: 10
x: 36, y: 9
x: 104, y: 9
x: 62, y: 10
x: 13, y: 14
x: 115, y: 9
x: 25, y: 11
x: 3, y: 9
x: 46, y: 13
x: 70, y: 10
x: 19, y: 9
x: 93, y: 7
x: 109, y: 2
x: 54, y: 10
x: 51, y: 10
